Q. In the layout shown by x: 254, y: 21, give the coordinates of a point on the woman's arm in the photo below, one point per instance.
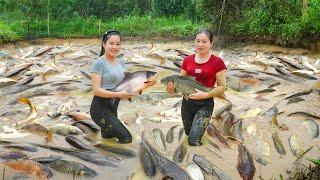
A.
x: 98, y: 91
x: 218, y: 91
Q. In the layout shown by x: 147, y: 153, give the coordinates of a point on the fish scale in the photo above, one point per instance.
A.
x: 30, y: 167
x: 72, y: 167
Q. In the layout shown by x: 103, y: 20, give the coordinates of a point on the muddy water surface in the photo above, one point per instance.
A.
x: 146, y: 110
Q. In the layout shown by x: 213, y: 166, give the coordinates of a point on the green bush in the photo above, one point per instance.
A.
x: 6, y: 34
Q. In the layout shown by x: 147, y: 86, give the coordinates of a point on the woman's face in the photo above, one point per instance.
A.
x: 202, y: 43
x: 112, y: 46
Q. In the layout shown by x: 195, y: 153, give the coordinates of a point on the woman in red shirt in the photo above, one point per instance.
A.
x: 207, y: 69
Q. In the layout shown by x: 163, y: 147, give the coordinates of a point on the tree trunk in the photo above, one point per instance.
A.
x: 304, y: 7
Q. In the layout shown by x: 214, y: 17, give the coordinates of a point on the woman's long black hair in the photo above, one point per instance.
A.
x: 107, y: 36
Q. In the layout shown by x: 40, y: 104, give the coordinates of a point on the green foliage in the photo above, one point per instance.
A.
x: 179, y: 18
x: 315, y: 161
x: 170, y: 7
x: 311, y: 21
x: 6, y: 34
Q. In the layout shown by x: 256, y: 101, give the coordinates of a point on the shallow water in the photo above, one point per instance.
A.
x: 137, y: 115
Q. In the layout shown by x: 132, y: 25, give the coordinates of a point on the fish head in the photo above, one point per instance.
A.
x: 167, y: 79
x: 151, y: 77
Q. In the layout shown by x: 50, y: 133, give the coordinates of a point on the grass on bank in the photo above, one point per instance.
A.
x: 92, y: 27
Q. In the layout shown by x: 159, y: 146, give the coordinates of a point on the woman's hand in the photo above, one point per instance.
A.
x: 198, y: 95
x: 125, y: 95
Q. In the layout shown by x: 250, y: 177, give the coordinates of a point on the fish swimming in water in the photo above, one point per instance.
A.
x: 167, y: 167
x: 245, y: 164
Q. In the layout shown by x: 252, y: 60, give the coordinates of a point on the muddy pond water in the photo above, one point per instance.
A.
x: 252, y: 71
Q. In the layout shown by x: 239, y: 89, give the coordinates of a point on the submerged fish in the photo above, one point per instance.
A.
x: 33, y: 111
x: 117, y: 150
x: 300, y: 113
x: 159, y: 138
x: 147, y: 162
x: 271, y: 115
x: 64, y: 130
x: 214, y: 132
x: 48, y: 159
x: 169, y: 137
x: 77, y: 143
x: 296, y: 145
x: 180, y: 152
x: 167, y: 167
x: 227, y: 123
x: 195, y: 171
x: 225, y: 108
x: 30, y: 167
x: 209, y: 167
x: 245, y: 164
x: 39, y: 130
x: 262, y: 151
x: 72, y: 167
x: 313, y: 128
x: 295, y: 100
x: 12, y: 155
x: 278, y: 143
x: 94, y: 158
x: 25, y: 147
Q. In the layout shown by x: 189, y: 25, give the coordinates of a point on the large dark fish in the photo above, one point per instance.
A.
x: 290, y: 62
x: 25, y: 147
x: 77, y: 143
x: 136, y: 82
x: 117, y: 150
x: 271, y: 115
x: 278, y: 143
x: 167, y: 167
x: 12, y: 155
x: 209, y: 167
x: 72, y: 167
x: 302, y: 93
x: 48, y: 159
x: 214, y: 132
x: 245, y: 164
x: 90, y: 124
x: 183, y: 84
x: 159, y: 138
x: 169, y: 137
x: 225, y: 108
x: 227, y: 123
x: 147, y: 162
x: 300, y: 113
x: 180, y: 152
x: 86, y: 156
x: 30, y: 167
x: 16, y: 69
x: 237, y: 129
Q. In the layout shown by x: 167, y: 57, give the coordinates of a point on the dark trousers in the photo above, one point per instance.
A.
x: 103, y: 112
x: 196, y: 115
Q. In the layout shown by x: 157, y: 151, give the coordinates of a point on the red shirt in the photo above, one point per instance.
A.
x: 205, y: 73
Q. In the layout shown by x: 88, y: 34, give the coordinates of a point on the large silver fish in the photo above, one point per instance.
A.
x: 136, y: 82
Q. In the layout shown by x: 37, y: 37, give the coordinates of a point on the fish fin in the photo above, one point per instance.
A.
x: 130, y: 99
x: 140, y: 92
